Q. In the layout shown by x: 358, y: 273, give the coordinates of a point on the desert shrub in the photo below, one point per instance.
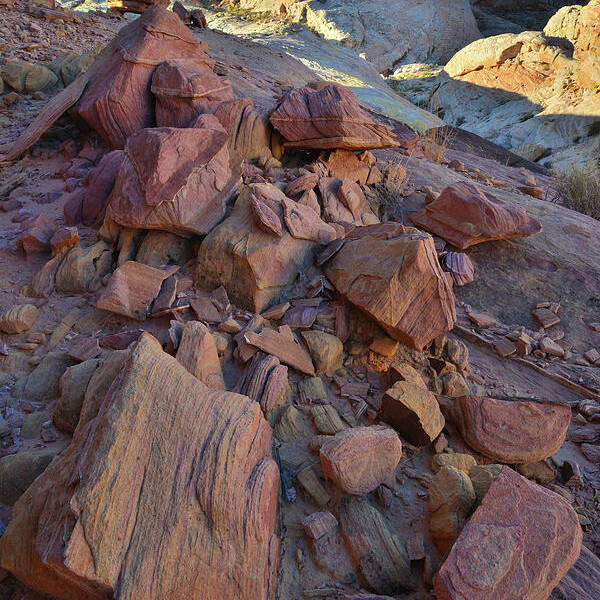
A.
x: 579, y: 189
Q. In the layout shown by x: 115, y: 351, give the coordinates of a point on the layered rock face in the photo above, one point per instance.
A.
x: 328, y: 118
x: 392, y: 273
x: 518, y: 544
x: 133, y: 509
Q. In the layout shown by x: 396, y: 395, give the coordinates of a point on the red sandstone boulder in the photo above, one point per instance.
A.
x: 511, y: 431
x: 168, y: 491
x: 305, y: 224
x: 184, y: 89
x: 102, y: 182
x: 175, y: 180
x: 464, y: 216
x: 519, y: 543
x: 119, y: 102
x: 359, y: 459
x: 392, y: 273
x: 63, y: 239
x: 328, y: 118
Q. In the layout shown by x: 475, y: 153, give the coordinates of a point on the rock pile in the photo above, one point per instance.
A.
x: 248, y: 323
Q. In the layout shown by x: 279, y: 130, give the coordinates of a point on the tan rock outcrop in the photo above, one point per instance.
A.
x: 18, y: 319
x: 392, y: 273
x: 133, y: 510
x: 257, y: 268
x: 198, y: 354
x: 132, y: 289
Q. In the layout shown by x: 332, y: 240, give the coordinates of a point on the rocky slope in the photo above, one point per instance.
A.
x: 260, y: 339
x: 533, y: 92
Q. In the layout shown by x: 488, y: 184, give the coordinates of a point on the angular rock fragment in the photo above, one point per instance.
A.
x: 130, y: 488
x: 18, y: 319
x: 392, y: 273
x: 357, y: 460
x: 346, y: 165
x: 63, y: 239
x: 464, y: 216
x: 305, y: 224
x: 256, y: 267
x: 198, y: 354
x: 266, y: 218
x: 328, y: 118
x: 524, y: 537
x: 413, y: 412
x: 511, y: 431
x: 460, y: 267
x: 382, y: 564
x: 545, y: 317
x: 132, y: 289
x: 301, y: 184
x: 285, y: 349
x: 319, y: 524
x: 175, y: 180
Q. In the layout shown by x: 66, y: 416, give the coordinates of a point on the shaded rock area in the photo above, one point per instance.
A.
x: 259, y: 339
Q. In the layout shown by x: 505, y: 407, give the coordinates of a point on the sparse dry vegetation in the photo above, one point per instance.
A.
x: 435, y: 141
x: 580, y: 190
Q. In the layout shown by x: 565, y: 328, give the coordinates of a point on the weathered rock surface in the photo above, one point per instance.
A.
x: 528, y: 91
x: 357, y: 460
x: 325, y: 349
x: 386, y: 32
x: 257, y: 268
x: 185, y: 89
x: 73, y: 385
x: 82, y: 269
x: 136, y: 507
x: 451, y: 499
x: 328, y: 118
x: 392, y: 273
x: 43, y: 382
x: 156, y: 189
x: 18, y: 471
x: 464, y: 216
x: 18, y: 319
x: 413, y: 412
x: 582, y: 581
x: 132, y: 289
x: 511, y: 431
x: 519, y: 543
x: 382, y: 564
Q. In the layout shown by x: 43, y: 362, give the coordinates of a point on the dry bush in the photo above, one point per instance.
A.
x: 579, y: 189
x: 435, y: 142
